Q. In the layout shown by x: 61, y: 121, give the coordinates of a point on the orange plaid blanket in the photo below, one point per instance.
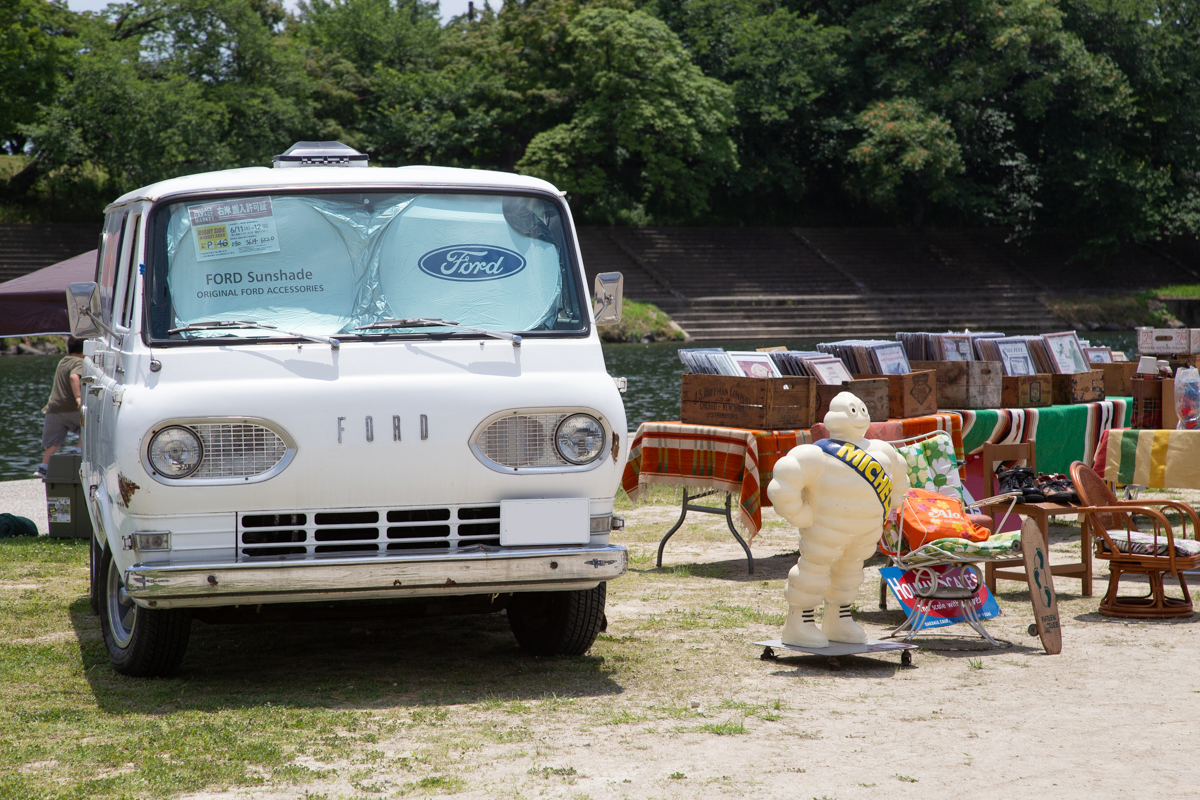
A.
x: 741, y: 461
x: 733, y: 460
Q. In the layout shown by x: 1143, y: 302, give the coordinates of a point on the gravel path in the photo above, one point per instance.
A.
x: 25, y: 499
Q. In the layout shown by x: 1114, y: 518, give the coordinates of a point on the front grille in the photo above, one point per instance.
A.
x: 522, y: 441
x: 360, y: 531
x: 237, y: 449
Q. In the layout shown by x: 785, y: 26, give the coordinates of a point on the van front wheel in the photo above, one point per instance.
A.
x: 557, y: 623
x: 141, y: 642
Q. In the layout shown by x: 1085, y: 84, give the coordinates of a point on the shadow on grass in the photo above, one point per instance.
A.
x: 769, y: 568
x: 354, y: 664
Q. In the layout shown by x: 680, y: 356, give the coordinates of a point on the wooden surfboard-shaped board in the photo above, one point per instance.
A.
x: 1041, y: 587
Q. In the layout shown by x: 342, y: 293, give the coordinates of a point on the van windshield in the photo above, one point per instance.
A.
x: 328, y: 264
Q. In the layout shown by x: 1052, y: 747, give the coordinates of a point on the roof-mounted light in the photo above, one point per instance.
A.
x: 320, y: 154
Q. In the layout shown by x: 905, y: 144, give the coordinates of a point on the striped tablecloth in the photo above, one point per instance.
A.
x: 1062, y: 433
x: 740, y: 461
x: 1150, y: 458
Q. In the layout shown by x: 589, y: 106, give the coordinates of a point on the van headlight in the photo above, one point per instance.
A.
x: 580, y: 438
x: 176, y: 452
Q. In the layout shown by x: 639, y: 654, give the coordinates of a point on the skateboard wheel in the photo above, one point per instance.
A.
x: 767, y: 654
x: 905, y: 658
x: 1032, y: 629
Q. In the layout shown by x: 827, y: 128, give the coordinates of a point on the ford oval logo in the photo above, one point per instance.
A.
x: 471, y: 262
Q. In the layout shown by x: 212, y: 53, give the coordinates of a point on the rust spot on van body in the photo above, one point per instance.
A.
x: 127, y: 488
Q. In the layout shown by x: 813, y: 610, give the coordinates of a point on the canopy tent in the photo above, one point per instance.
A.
x: 36, y: 304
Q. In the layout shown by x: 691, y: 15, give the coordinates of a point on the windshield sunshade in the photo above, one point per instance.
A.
x: 328, y: 264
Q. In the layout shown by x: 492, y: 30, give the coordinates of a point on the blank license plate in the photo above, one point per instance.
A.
x: 528, y: 522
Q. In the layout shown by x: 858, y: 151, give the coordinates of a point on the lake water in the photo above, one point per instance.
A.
x: 652, y: 371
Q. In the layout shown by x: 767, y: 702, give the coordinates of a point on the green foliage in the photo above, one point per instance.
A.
x: 34, y: 41
x: 171, y: 87
x: 1040, y: 115
x: 904, y: 149
x: 784, y: 70
x: 647, y: 136
x: 641, y: 322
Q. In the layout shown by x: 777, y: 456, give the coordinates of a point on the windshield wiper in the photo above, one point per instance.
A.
x: 423, y: 322
x: 333, y: 343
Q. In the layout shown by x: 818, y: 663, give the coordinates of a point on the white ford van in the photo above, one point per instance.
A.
x: 325, y: 382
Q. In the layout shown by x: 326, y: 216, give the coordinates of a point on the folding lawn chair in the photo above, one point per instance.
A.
x: 933, y: 466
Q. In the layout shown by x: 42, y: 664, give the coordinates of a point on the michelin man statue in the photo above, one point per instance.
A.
x: 838, y: 492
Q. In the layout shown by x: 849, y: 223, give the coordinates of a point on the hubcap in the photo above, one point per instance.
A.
x: 122, y: 611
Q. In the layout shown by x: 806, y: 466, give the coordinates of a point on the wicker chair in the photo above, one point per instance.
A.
x: 1129, y: 550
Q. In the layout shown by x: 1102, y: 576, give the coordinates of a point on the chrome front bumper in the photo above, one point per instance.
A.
x: 479, y: 571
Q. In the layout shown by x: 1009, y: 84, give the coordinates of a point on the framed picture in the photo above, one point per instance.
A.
x: 1066, y: 353
x: 829, y: 371
x: 1098, y: 355
x: 1015, y: 358
x: 892, y: 360
x: 957, y: 347
x: 755, y: 365
x: 724, y: 364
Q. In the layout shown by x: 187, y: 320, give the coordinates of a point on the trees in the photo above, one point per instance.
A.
x: 1077, y: 115
x: 33, y: 34
x: 167, y: 87
x: 786, y: 75
x: 646, y: 138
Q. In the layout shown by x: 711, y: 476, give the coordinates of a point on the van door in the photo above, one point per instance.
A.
x: 97, y: 441
x: 121, y: 367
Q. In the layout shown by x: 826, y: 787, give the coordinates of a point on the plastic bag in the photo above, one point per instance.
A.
x: 927, y: 516
x: 1187, y: 399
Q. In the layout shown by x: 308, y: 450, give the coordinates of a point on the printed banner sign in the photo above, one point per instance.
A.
x: 941, y: 612
x: 233, y: 228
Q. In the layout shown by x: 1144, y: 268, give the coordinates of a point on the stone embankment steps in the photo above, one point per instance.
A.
x: 855, y: 315
x: 26, y: 248
x: 728, y: 283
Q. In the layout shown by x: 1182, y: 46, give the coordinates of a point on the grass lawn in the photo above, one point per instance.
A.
x: 672, y: 701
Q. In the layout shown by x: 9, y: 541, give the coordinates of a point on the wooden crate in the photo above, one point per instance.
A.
x: 872, y: 391
x: 1117, y: 377
x: 768, y: 404
x: 966, y: 384
x: 1083, y: 387
x: 911, y: 395
x: 1026, y: 391
x: 1168, y: 341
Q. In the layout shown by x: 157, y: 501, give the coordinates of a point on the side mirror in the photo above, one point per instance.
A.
x: 83, y: 309
x: 610, y: 287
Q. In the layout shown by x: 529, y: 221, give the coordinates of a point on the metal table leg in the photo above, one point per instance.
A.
x: 727, y: 513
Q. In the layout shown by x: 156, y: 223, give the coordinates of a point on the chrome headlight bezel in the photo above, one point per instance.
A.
x: 559, y: 438
x: 559, y: 414
x: 180, y: 433
x: 192, y: 479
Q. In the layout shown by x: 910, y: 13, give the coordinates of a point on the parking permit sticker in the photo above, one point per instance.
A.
x: 233, y: 228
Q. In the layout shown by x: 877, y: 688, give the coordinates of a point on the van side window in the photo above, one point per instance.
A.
x: 129, y: 270
x: 106, y: 268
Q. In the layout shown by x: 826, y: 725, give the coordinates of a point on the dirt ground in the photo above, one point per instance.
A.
x: 682, y: 706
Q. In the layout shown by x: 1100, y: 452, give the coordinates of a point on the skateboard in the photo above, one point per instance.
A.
x: 1041, y: 588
